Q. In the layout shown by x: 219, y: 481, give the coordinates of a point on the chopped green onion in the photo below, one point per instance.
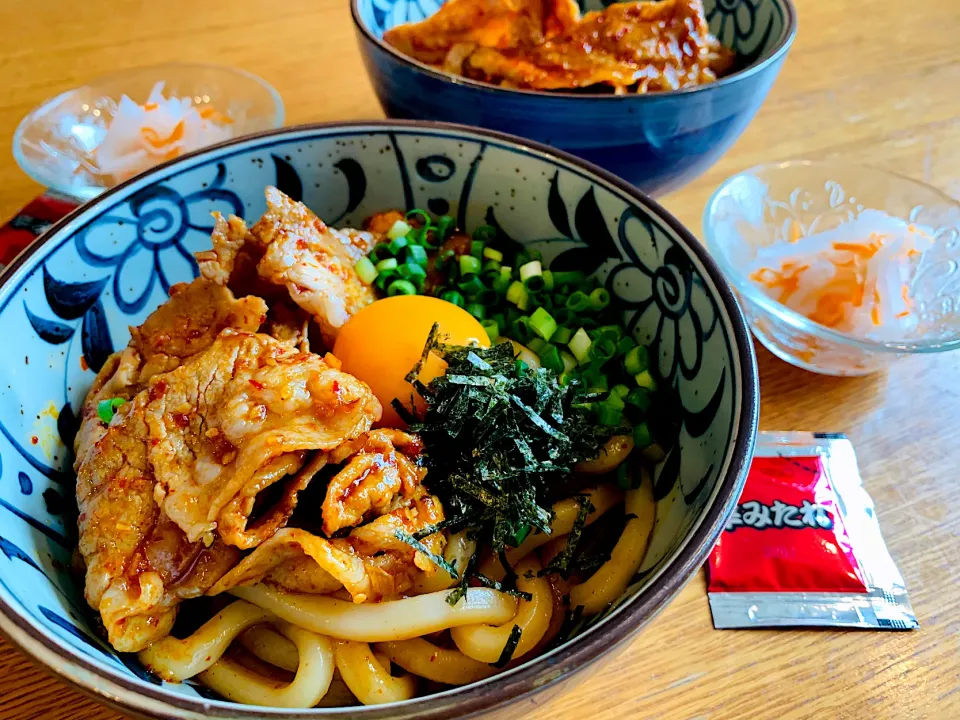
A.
x: 578, y: 302
x: 580, y: 346
x: 642, y: 436
x: 531, y: 269
x: 548, y: 354
x: 612, y: 331
x: 517, y: 294
x: 636, y: 361
x: 417, y: 236
x: 625, y: 345
x: 399, y: 244
x: 380, y: 252
x: 572, y: 277
x: 645, y: 380
x: 491, y: 269
x: 384, y: 279
x: 562, y: 315
x: 417, y: 253
x: 547, y: 280
x: 476, y: 248
x: 444, y: 223
x: 620, y: 391
x: 469, y: 264
x: 107, y: 408
x: 569, y: 361
x: 471, y: 285
x: 543, y: 323
x: 490, y: 253
x: 492, y: 328
x: 413, y: 272
x: 562, y: 335
x: 501, y: 284
x: 486, y: 297
x: 610, y: 411
x: 534, y: 254
x: 388, y: 264
x: 521, y: 328
x: 422, y: 215
x: 452, y: 296
x: 485, y: 233
x: 399, y: 230
x: 366, y: 270
x: 401, y: 287
x: 640, y: 399
x: 534, y: 284
x: 477, y: 310
x: 602, y: 349
x: 595, y: 380
x: 599, y: 299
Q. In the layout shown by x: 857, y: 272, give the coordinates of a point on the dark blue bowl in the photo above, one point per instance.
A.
x: 658, y: 142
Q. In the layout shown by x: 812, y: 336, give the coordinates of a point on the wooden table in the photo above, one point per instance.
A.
x: 906, y: 425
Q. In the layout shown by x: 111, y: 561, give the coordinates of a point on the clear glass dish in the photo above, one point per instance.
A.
x: 763, y: 206
x: 55, y: 142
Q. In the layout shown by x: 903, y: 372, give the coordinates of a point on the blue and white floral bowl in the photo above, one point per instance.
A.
x: 67, y: 302
x: 657, y: 141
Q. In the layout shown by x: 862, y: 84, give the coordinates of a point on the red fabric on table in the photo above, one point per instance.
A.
x: 38, y: 215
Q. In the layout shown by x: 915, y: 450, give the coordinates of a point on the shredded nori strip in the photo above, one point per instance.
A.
x: 484, y: 581
x: 561, y: 563
x: 437, y: 560
x: 498, y: 438
x: 510, y: 647
x: 454, y: 597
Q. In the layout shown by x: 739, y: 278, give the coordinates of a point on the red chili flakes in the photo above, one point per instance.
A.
x: 158, y: 389
x: 301, y: 244
x: 257, y: 384
x: 181, y: 419
x: 34, y: 440
x: 83, y: 363
x: 336, y: 387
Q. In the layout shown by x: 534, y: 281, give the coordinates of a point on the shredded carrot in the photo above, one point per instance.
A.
x: 795, y: 233
x: 839, y: 277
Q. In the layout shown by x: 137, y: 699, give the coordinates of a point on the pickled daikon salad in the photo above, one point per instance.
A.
x: 855, y: 278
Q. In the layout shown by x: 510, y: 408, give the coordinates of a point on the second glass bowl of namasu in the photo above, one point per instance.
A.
x: 760, y: 211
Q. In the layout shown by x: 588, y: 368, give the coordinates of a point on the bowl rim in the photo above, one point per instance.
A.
x: 780, y: 49
x: 279, y: 113
x: 525, y: 679
x: 801, y: 323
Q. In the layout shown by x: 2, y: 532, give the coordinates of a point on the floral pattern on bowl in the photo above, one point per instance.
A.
x: 72, y: 297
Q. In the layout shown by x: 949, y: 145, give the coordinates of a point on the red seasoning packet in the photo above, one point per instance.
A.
x: 803, y: 547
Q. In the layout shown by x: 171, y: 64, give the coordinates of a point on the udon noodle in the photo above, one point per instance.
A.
x: 310, y: 635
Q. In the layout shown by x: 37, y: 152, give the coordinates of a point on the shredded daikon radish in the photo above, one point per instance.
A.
x: 141, y: 136
x: 855, y: 278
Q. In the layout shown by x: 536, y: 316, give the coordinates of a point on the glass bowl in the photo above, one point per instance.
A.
x: 768, y: 204
x: 54, y: 144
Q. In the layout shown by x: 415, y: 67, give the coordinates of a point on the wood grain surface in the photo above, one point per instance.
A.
x: 875, y: 82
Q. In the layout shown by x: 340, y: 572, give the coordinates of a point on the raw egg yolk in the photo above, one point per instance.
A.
x: 381, y: 344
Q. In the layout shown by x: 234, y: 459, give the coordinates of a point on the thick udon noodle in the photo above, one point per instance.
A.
x: 325, y: 651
